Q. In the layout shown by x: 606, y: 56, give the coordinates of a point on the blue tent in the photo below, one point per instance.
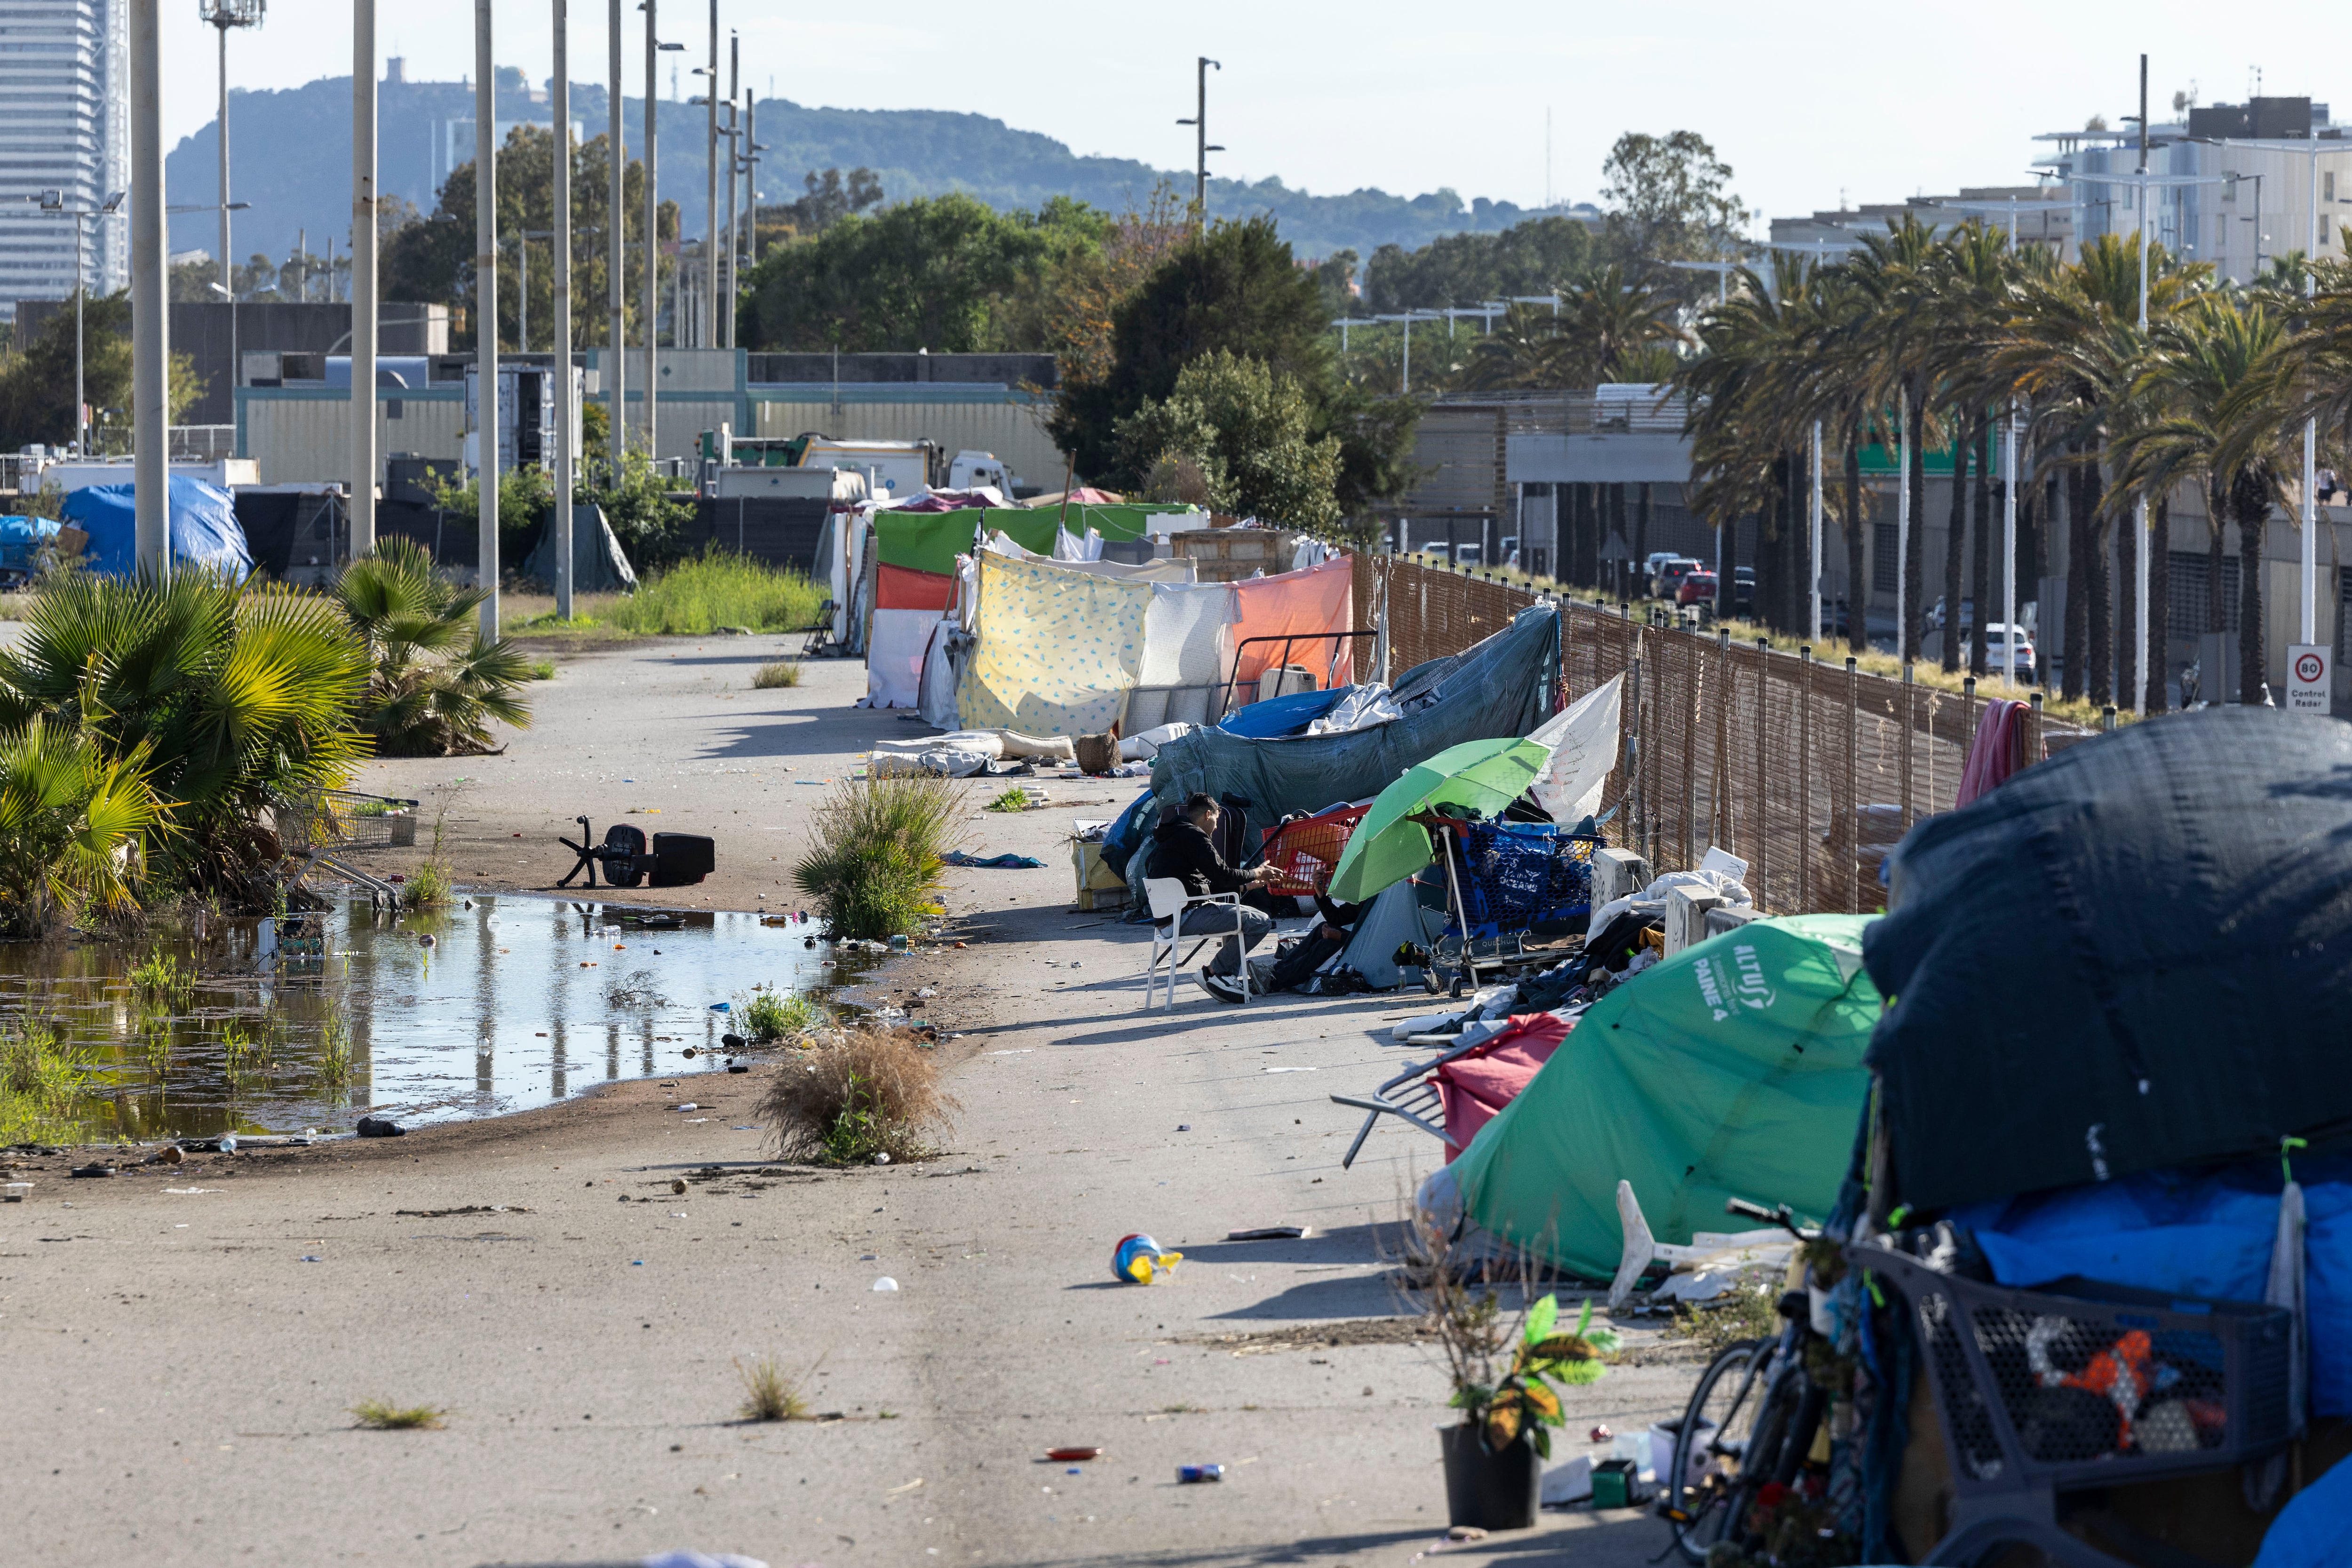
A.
x: 205, y: 530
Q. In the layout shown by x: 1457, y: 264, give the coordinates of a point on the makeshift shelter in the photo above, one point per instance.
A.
x: 205, y: 532
x: 1058, y: 652
x: 2127, y: 958
x: 1732, y: 1069
x: 598, y: 565
x: 1310, y: 604
x: 1502, y: 686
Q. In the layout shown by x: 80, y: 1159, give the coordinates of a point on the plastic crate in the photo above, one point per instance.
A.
x: 2086, y: 1383
x: 1517, y: 874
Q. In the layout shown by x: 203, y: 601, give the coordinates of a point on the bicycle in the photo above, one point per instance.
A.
x: 1758, y: 1412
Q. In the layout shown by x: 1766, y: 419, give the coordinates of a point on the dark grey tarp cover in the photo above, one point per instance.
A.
x: 2135, y: 955
x: 598, y: 563
x: 1503, y: 685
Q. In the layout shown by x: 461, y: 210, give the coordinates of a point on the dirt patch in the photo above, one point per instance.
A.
x: 1316, y: 1336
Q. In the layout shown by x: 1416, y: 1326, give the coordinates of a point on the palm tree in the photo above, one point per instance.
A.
x: 1976, y: 275
x: 2211, y: 411
x: 433, y: 685
x: 1891, y: 349
x: 74, y: 827
x: 1603, y: 320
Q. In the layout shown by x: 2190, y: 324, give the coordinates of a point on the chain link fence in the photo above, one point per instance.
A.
x: 1809, y: 770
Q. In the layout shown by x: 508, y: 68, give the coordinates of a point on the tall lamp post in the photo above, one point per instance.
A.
x: 652, y: 307
x: 225, y: 15
x: 1199, y: 123
x: 616, y: 250
x: 560, y: 381
x: 486, y: 321
x: 54, y: 203
x: 710, y: 197
x: 363, y: 225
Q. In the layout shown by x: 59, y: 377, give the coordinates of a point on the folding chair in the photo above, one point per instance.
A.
x: 1168, y: 901
x: 1411, y: 1097
x: 819, y: 632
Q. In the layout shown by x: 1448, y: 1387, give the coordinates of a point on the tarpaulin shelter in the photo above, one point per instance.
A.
x: 1059, y: 650
x: 598, y: 564
x: 914, y: 583
x: 1398, y: 917
x: 1310, y: 605
x: 1502, y: 686
x: 2130, y: 957
x: 205, y: 530
x: 1732, y: 1069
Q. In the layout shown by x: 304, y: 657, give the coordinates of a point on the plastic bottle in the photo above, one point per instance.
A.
x: 1193, y: 1475
x: 1138, y: 1259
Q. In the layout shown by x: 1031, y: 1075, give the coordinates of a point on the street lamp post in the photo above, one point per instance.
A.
x: 652, y: 309
x: 711, y: 195
x: 224, y: 16
x: 1199, y: 123
x: 734, y: 152
x: 53, y: 202
x: 485, y: 324
x: 616, y: 233
x: 151, y: 342
x: 364, y: 220
x: 560, y: 237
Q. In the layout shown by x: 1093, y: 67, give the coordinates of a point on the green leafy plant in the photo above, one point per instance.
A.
x: 701, y: 594
x: 542, y: 670
x: 1014, y: 799
x: 333, y: 1071
x: 1523, y: 1399
x: 773, y: 1016
x: 428, y: 887
x: 434, y: 685
x: 776, y: 674
x: 74, y: 827
x: 383, y: 1415
x: 160, y: 977
x: 44, y: 1081
x: 875, y: 855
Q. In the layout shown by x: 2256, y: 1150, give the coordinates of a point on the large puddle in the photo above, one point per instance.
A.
x: 517, y: 1001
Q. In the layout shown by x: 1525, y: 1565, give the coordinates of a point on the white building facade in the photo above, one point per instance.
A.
x: 65, y: 126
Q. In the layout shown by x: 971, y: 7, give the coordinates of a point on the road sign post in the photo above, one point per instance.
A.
x: 2309, y: 678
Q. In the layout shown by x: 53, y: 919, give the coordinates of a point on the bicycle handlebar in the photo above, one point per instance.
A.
x: 1778, y: 1214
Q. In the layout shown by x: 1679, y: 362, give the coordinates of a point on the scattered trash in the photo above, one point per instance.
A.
x: 168, y: 1155
x: 1069, y: 1454
x: 962, y: 944
x: 1193, y: 1475
x: 369, y: 1127
x: 94, y: 1168
x: 1183, y: 1126
x: 722, y: 1006
x: 691, y: 1053
x: 1138, y: 1259
x: 1465, y: 1532
x: 927, y: 993
x: 733, y: 1042
x: 897, y: 941
x: 312, y: 1258
x: 1272, y: 1233
x: 885, y: 1283
x: 428, y: 940
x: 737, y: 1066
x: 1600, y: 1435
x: 1290, y: 1069
x: 678, y: 1187
x: 882, y: 1156
x: 225, y: 1143
x: 689, y: 1105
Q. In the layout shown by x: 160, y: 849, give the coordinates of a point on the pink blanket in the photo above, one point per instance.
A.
x: 1319, y: 599
x: 1994, y: 755
x: 1476, y: 1086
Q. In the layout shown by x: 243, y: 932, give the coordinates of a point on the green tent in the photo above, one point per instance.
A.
x: 1732, y: 1069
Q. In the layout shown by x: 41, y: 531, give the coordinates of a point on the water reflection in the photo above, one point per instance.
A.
x: 384, y: 1023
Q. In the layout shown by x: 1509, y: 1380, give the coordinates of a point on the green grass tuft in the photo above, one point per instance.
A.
x: 1014, y: 799
x: 777, y: 673
x: 769, y: 1395
x: 44, y: 1083
x: 428, y: 887
x: 383, y: 1415
x: 161, y: 978
x: 875, y: 854
x: 772, y: 1015
x: 698, y: 597
x: 542, y: 670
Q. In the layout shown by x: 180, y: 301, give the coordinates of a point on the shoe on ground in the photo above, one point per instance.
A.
x: 1225, y: 988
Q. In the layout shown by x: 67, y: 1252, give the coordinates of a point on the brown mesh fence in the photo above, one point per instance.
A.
x: 1809, y: 770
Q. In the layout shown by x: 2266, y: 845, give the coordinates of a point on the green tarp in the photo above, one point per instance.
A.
x: 1732, y: 1069
x: 929, y: 540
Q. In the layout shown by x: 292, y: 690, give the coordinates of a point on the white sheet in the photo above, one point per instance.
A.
x: 1583, y: 738
x: 1187, y: 634
x: 894, y: 657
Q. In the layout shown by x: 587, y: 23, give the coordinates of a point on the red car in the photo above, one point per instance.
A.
x: 1697, y: 588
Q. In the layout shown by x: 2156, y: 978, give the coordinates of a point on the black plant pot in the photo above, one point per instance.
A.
x: 1489, y: 1490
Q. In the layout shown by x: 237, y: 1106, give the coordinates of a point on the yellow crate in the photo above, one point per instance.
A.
x: 1100, y: 887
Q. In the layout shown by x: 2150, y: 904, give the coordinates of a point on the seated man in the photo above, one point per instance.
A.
x: 1301, y: 957
x: 1183, y: 849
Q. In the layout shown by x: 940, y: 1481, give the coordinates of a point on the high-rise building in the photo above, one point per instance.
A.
x: 65, y: 126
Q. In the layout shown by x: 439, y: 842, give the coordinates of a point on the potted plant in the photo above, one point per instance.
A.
x: 1507, y: 1379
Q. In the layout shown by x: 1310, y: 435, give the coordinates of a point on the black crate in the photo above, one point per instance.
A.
x: 682, y: 859
x: 2086, y: 1383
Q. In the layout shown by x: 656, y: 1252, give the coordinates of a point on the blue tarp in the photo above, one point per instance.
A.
x: 1279, y: 716
x: 21, y: 539
x: 1503, y: 685
x: 2314, y: 1529
x: 205, y: 530
x: 1127, y: 833
x: 2206, y: 1235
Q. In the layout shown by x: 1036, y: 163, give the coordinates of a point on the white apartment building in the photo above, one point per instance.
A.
x: 65, y: 126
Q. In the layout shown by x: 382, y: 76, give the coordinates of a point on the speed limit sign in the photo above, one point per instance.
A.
x: 2309, y: 677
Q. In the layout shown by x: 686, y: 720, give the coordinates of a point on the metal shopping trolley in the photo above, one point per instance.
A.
x: 319, y: 825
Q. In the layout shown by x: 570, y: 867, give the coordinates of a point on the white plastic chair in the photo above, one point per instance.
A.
x: 1168, y: 901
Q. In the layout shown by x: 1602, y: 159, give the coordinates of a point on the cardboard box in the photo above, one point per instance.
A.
x: 1100, y: 887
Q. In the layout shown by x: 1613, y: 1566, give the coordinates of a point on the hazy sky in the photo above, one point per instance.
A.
x: 1878, y: 101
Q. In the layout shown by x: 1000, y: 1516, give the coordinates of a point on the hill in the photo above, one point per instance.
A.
x: 291, y: 153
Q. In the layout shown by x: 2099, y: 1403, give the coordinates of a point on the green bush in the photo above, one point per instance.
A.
x: 43, y: 1082
x: 875, y: 854
x: 773, y: 1016
x: 433, y: 685
x: 698, y: 596
x: 776, y: 673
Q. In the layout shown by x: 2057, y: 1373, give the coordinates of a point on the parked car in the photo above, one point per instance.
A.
x: 1668, y: 579
x: 1696, y: 588
x: 2006, y: 644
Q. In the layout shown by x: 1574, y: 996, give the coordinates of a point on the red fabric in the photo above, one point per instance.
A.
x: 1475, y: 1087
x: 904, y: 588
x: 1307, y: 852
x: 1993, y: 755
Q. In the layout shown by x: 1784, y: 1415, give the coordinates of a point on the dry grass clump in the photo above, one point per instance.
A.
x: 876, y: 1092
x: 776, y: 673
x: 770, y: 1394
x: 383, y: 1415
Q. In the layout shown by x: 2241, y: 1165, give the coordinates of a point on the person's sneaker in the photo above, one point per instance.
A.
x: 1225, y: 988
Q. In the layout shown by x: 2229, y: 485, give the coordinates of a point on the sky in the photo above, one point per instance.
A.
x: 1873, y: 102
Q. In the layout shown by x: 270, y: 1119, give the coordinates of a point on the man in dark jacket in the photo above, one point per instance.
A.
x: 1184, y: 848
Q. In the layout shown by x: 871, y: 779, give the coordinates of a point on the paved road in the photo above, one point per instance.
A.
x: 180, y: 1368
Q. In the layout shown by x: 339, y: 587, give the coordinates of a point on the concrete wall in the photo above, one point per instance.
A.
x: 1006, y: 423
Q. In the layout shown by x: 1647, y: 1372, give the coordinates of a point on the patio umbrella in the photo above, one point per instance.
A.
x: 1484, y: 775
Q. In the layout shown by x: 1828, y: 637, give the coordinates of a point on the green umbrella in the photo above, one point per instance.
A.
x: 1486, y: 775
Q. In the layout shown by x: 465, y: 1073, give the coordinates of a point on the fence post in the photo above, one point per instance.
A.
x: 1852, y: 834
x: 1805, y: 779
x: 2033, y: 733
x: 1906, y: 746
x: 1726, y: 829
x: 1638, y: 831
x: 1697, y: 695
x: 1763, y: 788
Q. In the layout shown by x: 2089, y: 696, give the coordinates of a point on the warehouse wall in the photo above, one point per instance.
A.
x: 1007, y: 424
x: 302, y: 435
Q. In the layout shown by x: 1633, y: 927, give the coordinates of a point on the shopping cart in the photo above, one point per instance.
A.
x: 1502, y: 879
x: 319, y: 825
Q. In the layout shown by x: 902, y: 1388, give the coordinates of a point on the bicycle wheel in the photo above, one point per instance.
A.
x: 1721, y: 1416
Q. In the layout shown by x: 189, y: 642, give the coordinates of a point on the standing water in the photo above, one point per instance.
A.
x: 274, y: 1027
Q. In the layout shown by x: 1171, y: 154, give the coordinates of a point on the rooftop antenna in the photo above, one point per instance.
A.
x: 1547, y: 197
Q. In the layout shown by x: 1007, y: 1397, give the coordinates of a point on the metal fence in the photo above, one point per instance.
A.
x: 1809, y: 770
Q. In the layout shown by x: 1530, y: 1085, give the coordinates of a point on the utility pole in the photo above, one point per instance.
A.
x: 225, y: 14
x: 651, y: 310
x: 150, y: 344
x: 711, y: 195
x: 751, y: 150
x: 485, y: 318
x: 734, y: 140
x: 2310, y: 621
x: 560, y: 383
x: 2150, y: 659
x: 616, y: 252
x: 362, y: 509
x: 2009, y: 547
x: 1200, y: 122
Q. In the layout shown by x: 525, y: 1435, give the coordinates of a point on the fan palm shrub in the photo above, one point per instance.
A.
x: 434, y: 685
x: 225, y: 699
x: 74, y: 827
